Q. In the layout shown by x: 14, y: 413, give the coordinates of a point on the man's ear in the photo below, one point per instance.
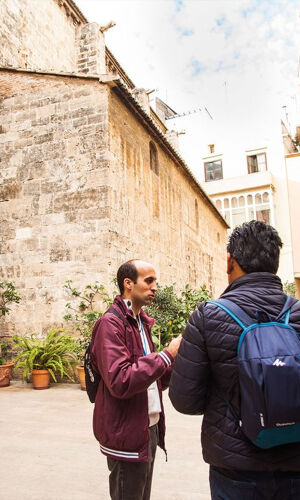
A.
x: 230, y: 263
x: 128, y: 284
x: 234, y: 270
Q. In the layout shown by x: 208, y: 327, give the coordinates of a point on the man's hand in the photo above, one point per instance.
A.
x: 174, y: 346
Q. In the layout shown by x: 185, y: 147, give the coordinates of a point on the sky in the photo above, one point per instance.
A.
x: 239, y: 59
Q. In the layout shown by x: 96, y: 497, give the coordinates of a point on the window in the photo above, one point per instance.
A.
x: 246, y: 207
x: 219, y: 205
x: 257, y: 163
x: 153, y: 158
x: 238, y: 210
x: 197, y: 215
x: 213, y: 170
x: 263, y: 213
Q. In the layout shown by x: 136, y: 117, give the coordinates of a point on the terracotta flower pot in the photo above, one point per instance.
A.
x: 81, y: 376
x: 5, y: 374
x: 40, y: 379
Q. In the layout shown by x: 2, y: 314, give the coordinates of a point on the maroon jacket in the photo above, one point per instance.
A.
x: 121, y: 418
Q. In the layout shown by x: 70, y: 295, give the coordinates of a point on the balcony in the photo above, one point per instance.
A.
x: 246, y: 182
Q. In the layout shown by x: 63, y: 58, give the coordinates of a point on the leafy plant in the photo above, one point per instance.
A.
x: 172, y: 311
x: 54, y: 353
x: 83, y: 313
x: 5, y: 347
x: 289, y: 288
x: 8, y: 295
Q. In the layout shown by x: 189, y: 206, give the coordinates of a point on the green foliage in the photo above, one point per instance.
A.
x: 171, y: 311
x: 54, y: 353
x: 5, y: 347
x: 289, y: 288
x: 8, y: 295
x: 82, y: 312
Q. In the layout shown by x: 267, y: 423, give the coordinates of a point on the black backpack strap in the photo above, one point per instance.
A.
x: 236, y: 312
x: 110, y: 310
x: 116, y: 313
x: 284, y: 314
x: 92, y: 376
x: 128, y: 338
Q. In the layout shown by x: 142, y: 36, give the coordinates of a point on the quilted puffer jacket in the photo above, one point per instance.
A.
x: 205, y: 371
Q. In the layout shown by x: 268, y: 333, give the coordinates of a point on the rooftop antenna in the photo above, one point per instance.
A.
x: 109, y: 25
x: 286, y: 114
x: 226, y: 92
x: 190, y: 112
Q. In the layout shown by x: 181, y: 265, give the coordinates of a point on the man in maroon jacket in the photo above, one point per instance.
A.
x: 128, y: 416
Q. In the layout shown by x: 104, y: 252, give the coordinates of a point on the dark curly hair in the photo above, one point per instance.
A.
x: 256, y: 247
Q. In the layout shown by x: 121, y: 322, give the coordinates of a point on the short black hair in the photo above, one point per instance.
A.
x: 126, y: 270
x: 256, y: 247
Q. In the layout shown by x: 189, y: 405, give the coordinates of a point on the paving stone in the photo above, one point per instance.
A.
x: 49, y: 452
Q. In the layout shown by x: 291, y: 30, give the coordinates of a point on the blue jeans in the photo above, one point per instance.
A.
x: 255, y: 486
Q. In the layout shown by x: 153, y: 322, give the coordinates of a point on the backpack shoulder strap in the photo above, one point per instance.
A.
x: 116, y: 313
x: 284, y: 314
x: 236, y: 312
x: 109, y: 310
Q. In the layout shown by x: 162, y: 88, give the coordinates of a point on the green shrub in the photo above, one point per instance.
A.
x: 82, y: 313
x: 5, y: 348
x: 171, y: 311
x: 55, y: 353
x: 8, y: 295
x: 289, y: 288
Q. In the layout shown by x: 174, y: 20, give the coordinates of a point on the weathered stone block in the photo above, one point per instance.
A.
x: 96, y: 119
x: 80, y: 122
x: 10, y: 190
x: 60, y: 255
x: 44, y: 138
x: 83, y: 199
x: 31, y: 188
x: 24, y: 233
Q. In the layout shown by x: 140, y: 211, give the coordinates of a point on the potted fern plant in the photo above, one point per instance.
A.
x: 8, y: 295
x: 45, y: 358
x: 5, y: 365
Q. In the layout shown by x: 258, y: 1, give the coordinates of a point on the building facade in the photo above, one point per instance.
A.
x: 249, y: 180
x: 88, y: 178
x: 292, y: 161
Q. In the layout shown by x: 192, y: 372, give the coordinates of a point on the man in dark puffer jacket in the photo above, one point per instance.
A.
x: 205, y: 374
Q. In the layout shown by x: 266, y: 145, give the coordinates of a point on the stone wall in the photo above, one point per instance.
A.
x: 37, y: 34
x: 78, y: 198
x: 53, y: 198
x: 78, y: 193
x: 160, y: 215
x: 91, y: 50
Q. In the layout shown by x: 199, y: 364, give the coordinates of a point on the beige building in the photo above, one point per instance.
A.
x: 255, y: 179
x: 292, y: 161
x: 88, y: 178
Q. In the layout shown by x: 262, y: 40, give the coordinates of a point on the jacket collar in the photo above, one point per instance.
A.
x: 260, y: 280
x: 119, y: 302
